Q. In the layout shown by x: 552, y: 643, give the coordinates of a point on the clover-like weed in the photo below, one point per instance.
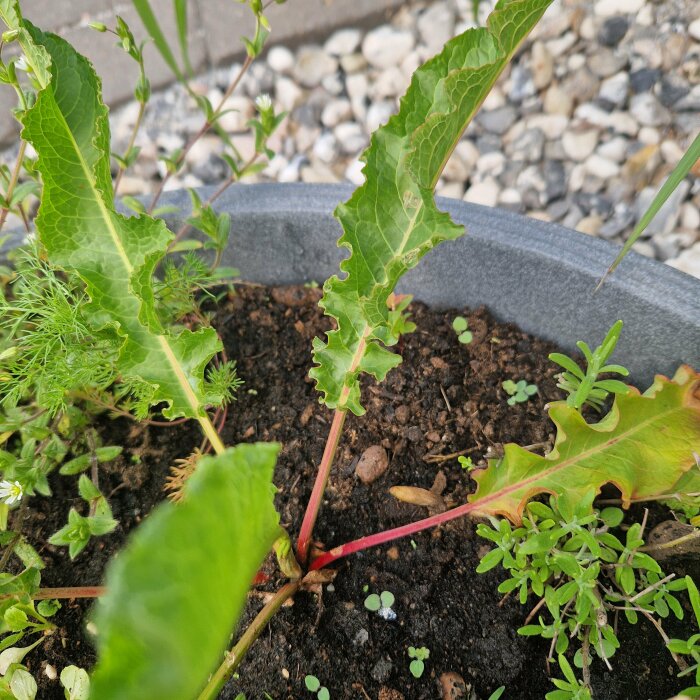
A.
x: 519, y: 392
x: 419, y: 656
x: 314, y: 685
x: 381, y: 604
x: 461, y: 327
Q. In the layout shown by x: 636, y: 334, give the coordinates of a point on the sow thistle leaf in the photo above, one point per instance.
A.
x: 82, y: 232
x: 178, y: 588
x: 391, y: 222
x: 644, y: 447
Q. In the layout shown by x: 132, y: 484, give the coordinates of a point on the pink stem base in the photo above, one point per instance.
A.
x: 389, y: 535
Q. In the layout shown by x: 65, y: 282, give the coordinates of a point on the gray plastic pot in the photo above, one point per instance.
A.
x: 537, y: 275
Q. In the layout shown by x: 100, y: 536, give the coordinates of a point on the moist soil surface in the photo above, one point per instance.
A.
x: 445, y: 398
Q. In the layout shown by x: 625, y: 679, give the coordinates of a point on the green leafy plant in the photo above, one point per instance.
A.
x: 314, y: 685
x: 129, y: 304
x: 419, y: 655
x: 467, y: 463
x: 585, y: 387
x: 519, y: 391
x: 460, y: 326
x: 691, y: 646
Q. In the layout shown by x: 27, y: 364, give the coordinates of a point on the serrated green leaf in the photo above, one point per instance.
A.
x: 164, y: 621
x: 115, y: 256
x: 643, y: 446
x: 391, y: 222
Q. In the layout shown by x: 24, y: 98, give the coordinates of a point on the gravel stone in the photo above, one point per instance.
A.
x: 372, y: 464
x: 385, y: 47
x: 343, y: 42
x: 648, y: 111
x: 312, y: 65
x: 613, y: 30
x: 436, y: 26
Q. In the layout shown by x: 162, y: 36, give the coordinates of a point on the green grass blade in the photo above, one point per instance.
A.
x: 177, y: 589
x: 672, y: 181
x: 150, y: 22
x: 180, y: 7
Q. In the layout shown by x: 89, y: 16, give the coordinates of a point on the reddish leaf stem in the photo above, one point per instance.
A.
x: 324, y: 470
x: 388, y: 535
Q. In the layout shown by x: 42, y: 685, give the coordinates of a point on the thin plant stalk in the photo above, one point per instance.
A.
x: 205, y: 128
x: 185, y: 228
x: 64, y: 593
x: 235, y: 656
x: 132, y: 141
x: 14, y: 178
x: 322, y: 475
x: 394, y: 534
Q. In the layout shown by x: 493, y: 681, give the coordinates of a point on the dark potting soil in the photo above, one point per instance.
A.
x: 445, y: 398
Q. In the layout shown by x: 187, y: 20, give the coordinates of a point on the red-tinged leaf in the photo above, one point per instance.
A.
x: 644, y: 446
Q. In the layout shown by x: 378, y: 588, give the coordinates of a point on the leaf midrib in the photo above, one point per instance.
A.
x: 579, y: 457
x: 114, y: 235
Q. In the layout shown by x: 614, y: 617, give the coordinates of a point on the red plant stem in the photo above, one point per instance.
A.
x: 394, y: 534
x: 324, y: 470
x: 71, y: 592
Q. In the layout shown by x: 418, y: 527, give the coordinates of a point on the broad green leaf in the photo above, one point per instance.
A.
x: 150, y: 22
x: 391, y: 221
x: 690, y: 157
x: 177, y: 590
x: 643, y: 447
x: 114, y: 255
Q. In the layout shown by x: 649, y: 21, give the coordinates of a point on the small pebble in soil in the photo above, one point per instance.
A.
x: 373, y: 463
x: 453, y: 686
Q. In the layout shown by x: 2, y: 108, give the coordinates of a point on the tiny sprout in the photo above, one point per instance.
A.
x: 466, y: 463
x: 98, y: 26
x: 460, y: 326
x: 381, y: 604
x: 519, y: 392
x: 314, y: 685
x: 419, y: 655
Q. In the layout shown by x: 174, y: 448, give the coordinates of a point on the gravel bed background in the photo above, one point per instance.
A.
x: 581, y: 129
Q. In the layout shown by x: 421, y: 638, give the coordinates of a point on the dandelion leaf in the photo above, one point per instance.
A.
x: 645, y: 447
x: 392, y: 221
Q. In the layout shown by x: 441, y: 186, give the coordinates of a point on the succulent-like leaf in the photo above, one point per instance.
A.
x: 644, y: 446
x: 177, y: 590
x: 114, y: 255
x: 391, y: 221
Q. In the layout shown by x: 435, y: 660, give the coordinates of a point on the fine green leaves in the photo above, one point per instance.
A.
x: 644, y: 446
x: 176, y: 591
x: 391, y: 222
x: 114, y: 256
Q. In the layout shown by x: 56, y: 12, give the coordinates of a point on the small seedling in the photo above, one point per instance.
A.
x: 419, y: 655
x: 519, y: 392
x: 497, y: 693
x: 460, y: 327
x: 467, y: 463
x: 314, y: 685
x: 691, y: 646
x: 381, y: 604
x: 587, y: 388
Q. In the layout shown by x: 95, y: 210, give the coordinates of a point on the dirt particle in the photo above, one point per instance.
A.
x: 306, y: 415
x: 373, y: 463
x: 393, y: 553
x: 453, y: 686
x: 438, y: 363
x: 390, y: 694
x: 401, y: 414
x: 295, y: 296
